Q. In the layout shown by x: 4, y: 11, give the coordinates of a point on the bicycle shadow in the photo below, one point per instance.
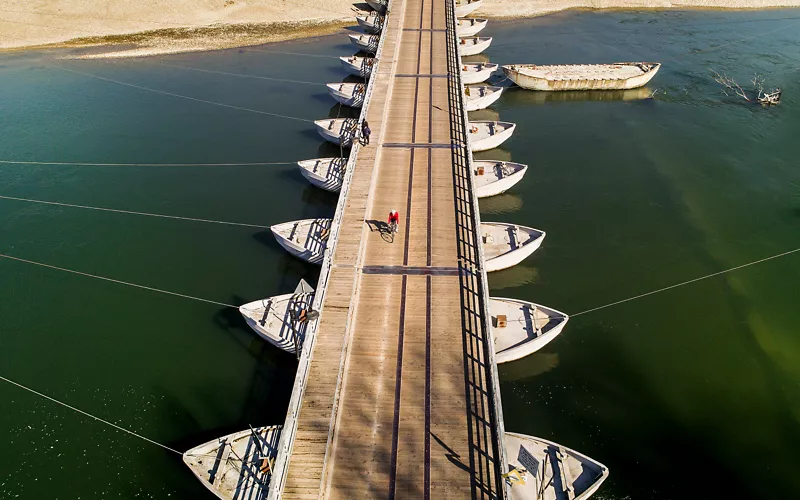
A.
x: 383, y: 228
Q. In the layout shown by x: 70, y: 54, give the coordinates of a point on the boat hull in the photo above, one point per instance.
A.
x: 477, y: 103
x: 311, y: 247
x: 499, y: 186
x: 480, y: 76
x: 377, y: 6
x: 513, y: 256
x: 329, y: 176
x: 466, y: 9
x: 517, y: 341
x: 370, y: 24
x: 217, y: 464
x: 471, y: 29
x: 493, y: 140
x: 369, y: 45
x: 531, y: 82
x: 357, y: 67
x: 468, y: 49
x: 275, y: 319
x: 584, y: 474
x: 335, y: 135
x: 345, y: 98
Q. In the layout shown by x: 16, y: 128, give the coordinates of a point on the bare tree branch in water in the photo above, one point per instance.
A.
x: 756, y: 95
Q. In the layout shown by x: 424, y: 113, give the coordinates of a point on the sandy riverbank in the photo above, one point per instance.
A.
x: 129, y: 28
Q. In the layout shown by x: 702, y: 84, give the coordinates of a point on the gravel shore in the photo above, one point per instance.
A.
x: 132, y: 28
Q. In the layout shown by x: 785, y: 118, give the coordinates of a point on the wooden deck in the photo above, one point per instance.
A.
x: 391, y: 408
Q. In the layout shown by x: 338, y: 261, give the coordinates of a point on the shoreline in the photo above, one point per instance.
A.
x: 245, y: 33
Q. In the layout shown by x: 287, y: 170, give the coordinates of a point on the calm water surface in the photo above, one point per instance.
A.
x: 691, y: 393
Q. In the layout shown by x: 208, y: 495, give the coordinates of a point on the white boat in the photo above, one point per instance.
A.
x: 305, y: 239
x: 485, y: 135
x: 470, y: 26
x: 550, y: 471
x: 481, y: 96
x: 506, y: 245
x: 325, y: 173
x: 281, y: 320
x: 238, y: 465
x: 496, y: 177
x: 372, y: 23
x: 617, y: 76
x: 378, y: 6
x: 467, y: 7
x: 348, y: 94
x: 474, y: 45
x: 340, y: 131
x: 477, y: 72
x: 367, y: 43
x: 521, y: 328
x: 358, y: 66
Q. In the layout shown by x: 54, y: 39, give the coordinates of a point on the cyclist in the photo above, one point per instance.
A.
x: 394, y: 220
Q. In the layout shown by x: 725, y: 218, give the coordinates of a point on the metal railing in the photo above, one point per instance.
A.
x: 289, y: 431
x: 482, y: 386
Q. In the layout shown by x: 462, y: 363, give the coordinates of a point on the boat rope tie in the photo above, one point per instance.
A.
x: 119, y: 428
x: 130, y: 212
x: 86, y: 164
x: 289, y: 53
x: 241, y: 75
x: 164, y: 92
x: 119, y: 282
x: 687, y: 282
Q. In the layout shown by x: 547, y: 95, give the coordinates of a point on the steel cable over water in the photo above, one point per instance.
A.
x: 119, y: 428
x: 241, y: 75
x: 85, y: 164
x: 119, y: 282
x: 147, y: 214
x: 164, y: 92
x: 653, y: 292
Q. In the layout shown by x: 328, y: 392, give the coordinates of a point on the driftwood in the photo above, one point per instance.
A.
x: 754, y: 95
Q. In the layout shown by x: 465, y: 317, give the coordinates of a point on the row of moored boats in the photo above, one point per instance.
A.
x: 239, y: 465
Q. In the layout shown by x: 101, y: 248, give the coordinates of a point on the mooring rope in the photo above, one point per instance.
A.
x: 241, y: 75
x: 289, y: 53
x: 65, y: 405
x: 147, y: 214
x: 164, y: 92
x: 119, y: 282
x: 85, y: 164
x: 687, y: 282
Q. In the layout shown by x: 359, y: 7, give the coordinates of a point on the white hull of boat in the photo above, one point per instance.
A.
x: 325, y: 173
x: 371, y: 24
x: 506, y: 245
x: 528, y: 327
x: 358, y: 66
x: 340, y: 131
x: 348, y: 94
x: 482, y: 97
x: 486, y: 135
x: 466, y: 8
x: 565, y: 473
x: 218, y: 463
x: 473, y: 46
x: 367, y: 43
x: 305, y: 239
x: 470, y: 27
x: 477, y: 73
x: 582, y: 77
x: 497, y: 177
x: 277, y: 319
x: 377, y: 6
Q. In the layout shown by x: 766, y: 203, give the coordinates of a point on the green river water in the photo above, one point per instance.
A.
x: 693, y: 393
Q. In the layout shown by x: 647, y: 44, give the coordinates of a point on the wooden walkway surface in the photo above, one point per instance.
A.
x: 389, y: 408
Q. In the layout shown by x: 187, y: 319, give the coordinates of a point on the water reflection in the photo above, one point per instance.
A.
x: 500, y: 204
x: 516, y: 276
x: 517, y: 96
x: 528, y: 367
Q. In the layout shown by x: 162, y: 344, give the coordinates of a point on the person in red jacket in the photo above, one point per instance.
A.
x: 394, y: 220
